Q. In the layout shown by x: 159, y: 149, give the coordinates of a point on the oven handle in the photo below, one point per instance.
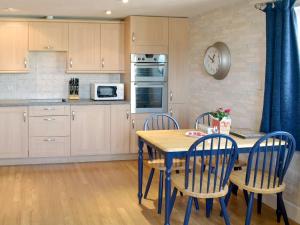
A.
x: 150, y: 64
x: 149, y: 84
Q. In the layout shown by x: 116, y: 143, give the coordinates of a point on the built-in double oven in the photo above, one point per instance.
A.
x: 149, y: 83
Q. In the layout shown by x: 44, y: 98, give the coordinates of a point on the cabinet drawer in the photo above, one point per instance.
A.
x: 49, y: 126
x: 49, y: 110
x: 49, y: 146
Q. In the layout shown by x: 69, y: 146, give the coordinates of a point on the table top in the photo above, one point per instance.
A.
x: 177, y: 141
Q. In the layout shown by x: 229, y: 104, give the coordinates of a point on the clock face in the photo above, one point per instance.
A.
x: 212, y: 60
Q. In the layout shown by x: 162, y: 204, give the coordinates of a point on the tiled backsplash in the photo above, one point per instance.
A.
x: 47, y: 79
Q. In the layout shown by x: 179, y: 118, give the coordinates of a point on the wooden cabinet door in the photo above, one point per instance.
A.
x: 149, y: 34
x: 120, y: 129
x: 112, y: 47
x: 14, y: 47
x: 178, y: 59
x: 84, y: 47
x: 48, y: 36
x: 13, y: 132
x: 178, y: 111
x: 90, y: 130
x: 137, y: 123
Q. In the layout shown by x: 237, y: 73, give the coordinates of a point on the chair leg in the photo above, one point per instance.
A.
x: 149, y: 182
x: 235, y: 190
x: 188, y: 211
x: 259, y: 203
x: 173, y: 198
x: 283, y: 211
x: 227, y: 197
x: 249, y: 209
x: 278, y: 210
x: 224, y: 210
x: 160, y: 191
x: 246, y: 197
x: 209, y: 204
x: 196, y: 204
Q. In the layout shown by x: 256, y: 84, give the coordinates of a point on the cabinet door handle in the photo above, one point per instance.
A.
x: 171, y: 96
x: 73, y: 115
x: 127, y: 115
x: 25, y: 63
x: 102, y: 62
x: 133, y: 37
x: 71, y: 63
x: 171, y: 112
x: 132, y: 122
x: 49, y: 108
x: 49, y: 119
x: 49, y: 139
x: 24, y: 116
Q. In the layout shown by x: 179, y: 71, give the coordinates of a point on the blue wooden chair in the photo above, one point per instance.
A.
x: 211, y: 182
x: 156, y: 161
x: 268, y: 163
x: 203, y: 119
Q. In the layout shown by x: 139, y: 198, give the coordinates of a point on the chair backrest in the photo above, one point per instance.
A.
x: 212, y: 160
x: 161, y: 121
x: 203, y: 119
x: 269, y: 160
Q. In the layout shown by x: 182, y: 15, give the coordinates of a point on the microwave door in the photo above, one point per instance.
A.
x: 149, y: 98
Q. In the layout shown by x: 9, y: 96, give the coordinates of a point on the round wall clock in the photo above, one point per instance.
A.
x: 217, y: 60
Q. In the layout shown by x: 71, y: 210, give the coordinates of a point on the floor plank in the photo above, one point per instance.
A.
x: 95, y: 194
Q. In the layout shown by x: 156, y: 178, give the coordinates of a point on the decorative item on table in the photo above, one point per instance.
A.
x: 221, y: 121
x: 195, y: 133
x: 74, y: 89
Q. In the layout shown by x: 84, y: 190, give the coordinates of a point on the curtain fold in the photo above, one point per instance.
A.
x: 281, y: 109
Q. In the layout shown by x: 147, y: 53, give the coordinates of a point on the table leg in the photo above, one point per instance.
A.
x: 140, y: 170
x: 168, y: 163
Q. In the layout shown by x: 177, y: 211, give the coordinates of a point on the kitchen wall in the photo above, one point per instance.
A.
x: 242, y: 27
x: 47, y: 79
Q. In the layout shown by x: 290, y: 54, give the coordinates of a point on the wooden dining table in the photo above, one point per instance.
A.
x: 173, y: 144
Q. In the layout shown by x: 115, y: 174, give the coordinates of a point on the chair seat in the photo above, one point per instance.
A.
x: 237, y: 164
x: 238, y: 178
x: 178, y: 164
x: 179, y: 179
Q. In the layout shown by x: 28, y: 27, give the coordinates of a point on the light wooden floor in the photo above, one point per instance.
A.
x: 95, y: 193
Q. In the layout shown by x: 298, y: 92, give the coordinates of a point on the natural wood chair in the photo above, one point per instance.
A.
x: 268, y: 163
x: 210, y: 182
x: 156, y: 161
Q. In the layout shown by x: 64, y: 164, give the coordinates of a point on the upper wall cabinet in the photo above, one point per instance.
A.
x: 147, y: 34
x: 48, y: 36
x: 84, y: 48
x: 112, y: 47
x: 13, y: 47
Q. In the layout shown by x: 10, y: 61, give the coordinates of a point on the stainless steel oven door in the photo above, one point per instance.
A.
x: 149, y: 97
x: 149, y: 72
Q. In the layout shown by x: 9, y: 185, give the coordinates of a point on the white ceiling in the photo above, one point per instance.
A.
x: 96, y: 8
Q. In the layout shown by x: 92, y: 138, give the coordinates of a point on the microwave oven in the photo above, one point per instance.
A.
x: 107, y: 91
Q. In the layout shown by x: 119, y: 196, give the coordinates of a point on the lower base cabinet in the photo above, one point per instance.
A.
x: 49, y: 146
x: 13, y: 132
x: 178, y: 111
x: 137, y: 123
x: 90, y: 130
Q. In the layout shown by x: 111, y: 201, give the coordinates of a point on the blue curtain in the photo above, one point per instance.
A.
x: 282, y: 82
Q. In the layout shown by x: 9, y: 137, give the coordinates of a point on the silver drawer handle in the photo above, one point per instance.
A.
x: 49, y: 139
x: 24, y: 116
x: 127, y: 115
x: 25, y: 63
x: 49, y: 119
x: 47, y: 109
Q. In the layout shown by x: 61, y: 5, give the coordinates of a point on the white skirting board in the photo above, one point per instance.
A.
x: 293, y: 211
x: 73, y: 159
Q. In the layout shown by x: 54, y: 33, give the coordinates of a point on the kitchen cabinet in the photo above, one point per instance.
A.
x: 13, y: 132
x: 84, y: 48
x: 48, y: 36
x: 137, y: 123
x: 178, y: 59
x: 120, y: 129
x: 147, y: 34
x: 14, y: 47
x: 90, y: 130
x: 178, y: 111
x: 112, y: 47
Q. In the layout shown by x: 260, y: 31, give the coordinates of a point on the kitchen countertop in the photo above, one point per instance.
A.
x: 37, y: 102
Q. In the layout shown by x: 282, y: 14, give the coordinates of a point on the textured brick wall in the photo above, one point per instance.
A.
x: 47, y: 79
x: 243, y: 29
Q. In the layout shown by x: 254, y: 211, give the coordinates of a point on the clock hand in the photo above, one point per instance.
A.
x: 212, y: 59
